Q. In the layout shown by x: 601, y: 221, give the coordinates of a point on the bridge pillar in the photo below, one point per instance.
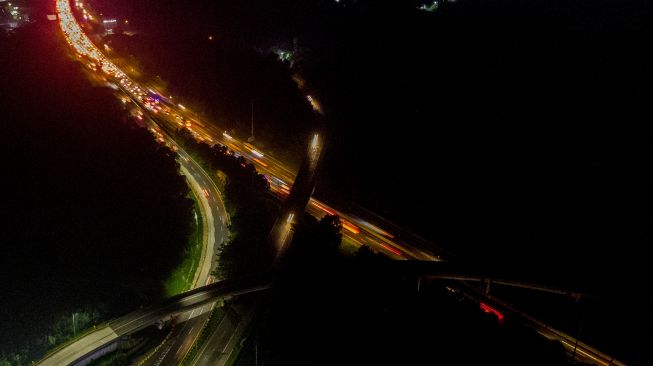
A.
x: 298, y: 198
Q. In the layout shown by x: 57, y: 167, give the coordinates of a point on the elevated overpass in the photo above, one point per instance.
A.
x: 228, y: 289
x: 281, y: 235
x: 428, y: 270
x: 133, y: 322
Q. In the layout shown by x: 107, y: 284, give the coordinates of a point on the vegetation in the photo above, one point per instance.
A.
x: 314, y: 247
x: 182, y: 277
x: 95, y: 214
x: 518, y: 132
x: 252, y: 210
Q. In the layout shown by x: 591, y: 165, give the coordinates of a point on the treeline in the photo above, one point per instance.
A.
x: 95, y: 215
x: 251, y: 208
x: 315, y: 246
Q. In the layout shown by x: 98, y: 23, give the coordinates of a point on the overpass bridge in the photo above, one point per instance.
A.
x: 97, y: 340
x: 131, y: 323
x: 428, y: 270
x: 300, y: 194
x: 280, y: 237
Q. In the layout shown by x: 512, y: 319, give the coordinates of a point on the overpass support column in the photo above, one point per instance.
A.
x: 486, y: 286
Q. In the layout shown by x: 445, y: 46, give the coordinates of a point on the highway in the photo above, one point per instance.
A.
x: 226, y: 338
x: 224, y: 341
x: 133, y: 322
x: 172, y: 116
x: 182, y: 337
x: 358, y: 229
x: 211, y: 207
x: 160, y: 113
x: 214, y: 221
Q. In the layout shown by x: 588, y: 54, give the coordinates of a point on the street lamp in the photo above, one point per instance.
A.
x: 251, y: 138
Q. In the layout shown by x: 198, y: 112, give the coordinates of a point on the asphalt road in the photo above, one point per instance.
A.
x: 214, y: 224
x: 138, y: 320
x: 228, y: 335
x: 358, y: 229
x: 173, y: 350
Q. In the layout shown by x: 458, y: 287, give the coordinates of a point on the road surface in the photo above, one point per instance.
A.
x: 359, y: 227
x: 366, y: 229
x: 141, y: 319
x: 228, y: 335
x: 211, y: 207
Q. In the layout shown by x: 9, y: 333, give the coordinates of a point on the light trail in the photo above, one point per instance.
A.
x: 84, y: 48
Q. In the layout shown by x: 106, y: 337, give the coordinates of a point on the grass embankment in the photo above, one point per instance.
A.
x: 181, y: 279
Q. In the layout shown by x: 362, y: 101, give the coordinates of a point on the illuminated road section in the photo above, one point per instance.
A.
x: 356, y: 231
x: 84, y: 47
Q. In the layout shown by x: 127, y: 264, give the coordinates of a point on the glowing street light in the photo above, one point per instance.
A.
x: 315, y: 141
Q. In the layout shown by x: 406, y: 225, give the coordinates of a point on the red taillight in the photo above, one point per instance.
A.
x: 490, y: 310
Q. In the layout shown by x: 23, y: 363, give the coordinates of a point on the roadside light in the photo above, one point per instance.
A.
x: 315, y: 141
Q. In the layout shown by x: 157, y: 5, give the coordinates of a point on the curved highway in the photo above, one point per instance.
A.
x: 361, y: 228
x: 211, y: 207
